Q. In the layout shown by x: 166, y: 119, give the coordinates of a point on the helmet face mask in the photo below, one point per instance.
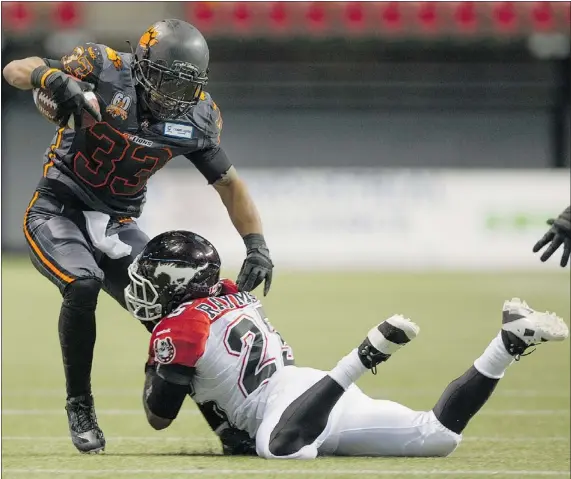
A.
x: 141, y: 296
x: 170, y: 68
x: 169, y: 94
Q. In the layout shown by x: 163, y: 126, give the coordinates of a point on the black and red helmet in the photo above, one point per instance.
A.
x: 174, y: 267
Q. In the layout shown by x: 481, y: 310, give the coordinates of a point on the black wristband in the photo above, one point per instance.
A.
x: 51, y: 63
x: 39, y: 74
x: 254, y: 240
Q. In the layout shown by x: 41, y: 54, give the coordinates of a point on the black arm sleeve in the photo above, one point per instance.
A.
x: 212, y: 163
x: 164, y: 398
x: 53, y: 63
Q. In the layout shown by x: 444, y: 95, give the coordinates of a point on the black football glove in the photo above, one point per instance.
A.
x: 257, y: 266
x: 559, y: 234
x: 67, y: 92
x: 237, y: 443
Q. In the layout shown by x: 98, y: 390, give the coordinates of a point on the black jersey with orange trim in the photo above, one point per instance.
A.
x: 107, y: 166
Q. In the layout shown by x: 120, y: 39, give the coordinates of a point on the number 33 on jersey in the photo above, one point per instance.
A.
x: 108, y: 164
x: 229, y: 342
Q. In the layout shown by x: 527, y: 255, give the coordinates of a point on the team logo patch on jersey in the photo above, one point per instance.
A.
x: 120, y: 105
x: 164, y: 350
x: 114, y: 57
x: 177, y: 130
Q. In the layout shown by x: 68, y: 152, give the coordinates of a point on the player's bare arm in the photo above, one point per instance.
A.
x: 244, y: 215
x: 18, y: 73
x: 213, y: 163
x: 239, y: 203
x: 242, y: 210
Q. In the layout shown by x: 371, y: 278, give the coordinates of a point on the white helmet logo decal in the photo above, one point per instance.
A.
x: 179, y: 275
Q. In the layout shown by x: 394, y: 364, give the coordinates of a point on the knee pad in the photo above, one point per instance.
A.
x: 82, y: 293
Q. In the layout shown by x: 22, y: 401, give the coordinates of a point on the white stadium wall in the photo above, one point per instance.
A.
x: 374, y: 218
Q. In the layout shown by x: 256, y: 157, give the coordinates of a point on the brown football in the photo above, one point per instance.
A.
x: 52, y: 112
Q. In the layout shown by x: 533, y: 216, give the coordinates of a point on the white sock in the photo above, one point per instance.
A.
x: 348, y: 370
x: 495, y: 359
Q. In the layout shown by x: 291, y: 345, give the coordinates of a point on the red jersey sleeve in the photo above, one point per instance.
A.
x: 180, y: 339
x: 228, y: 287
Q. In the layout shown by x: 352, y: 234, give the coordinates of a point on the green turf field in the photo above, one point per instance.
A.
x: 522, y: 432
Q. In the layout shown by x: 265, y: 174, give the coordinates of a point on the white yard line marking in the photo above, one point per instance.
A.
x: 195, y: 412
x: 200, y: 439
x: 100, y: 412
x: 523, y: 412
x: 150, y: 439
x: 377, y: 393
x: 266, y: 471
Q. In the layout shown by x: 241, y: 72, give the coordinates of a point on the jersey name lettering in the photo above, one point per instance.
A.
x: 214, y: 307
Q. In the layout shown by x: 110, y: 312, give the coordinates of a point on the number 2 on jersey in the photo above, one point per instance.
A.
x: 251, y: 334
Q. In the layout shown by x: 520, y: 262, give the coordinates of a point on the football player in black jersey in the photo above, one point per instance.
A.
x: 79, y: 224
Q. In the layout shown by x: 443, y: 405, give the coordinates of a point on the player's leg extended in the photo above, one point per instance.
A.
x: 297, y: 431
x: 59, y: 250
x: 522, y: 327
x: 383, y: 428
x: 372, y: 427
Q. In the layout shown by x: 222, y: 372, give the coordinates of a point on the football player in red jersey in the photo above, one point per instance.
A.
x: 214, y: 343
x: 79, y: 225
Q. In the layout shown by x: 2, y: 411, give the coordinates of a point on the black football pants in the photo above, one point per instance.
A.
x: 60, y: 249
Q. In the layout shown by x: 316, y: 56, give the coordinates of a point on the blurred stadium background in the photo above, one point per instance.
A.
x: 401, y: 138
x: 346, y: 119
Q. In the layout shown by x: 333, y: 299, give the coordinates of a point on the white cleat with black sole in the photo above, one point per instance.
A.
x: 386, y: 339
x: 523, y: 327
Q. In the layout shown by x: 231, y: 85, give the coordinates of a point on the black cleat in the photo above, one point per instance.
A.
x: 85, y: 433
x: 386, y: 339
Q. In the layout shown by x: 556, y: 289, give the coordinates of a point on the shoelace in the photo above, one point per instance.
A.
x: 86, y: 418
x: 369, y: 355
x: 517, y: 357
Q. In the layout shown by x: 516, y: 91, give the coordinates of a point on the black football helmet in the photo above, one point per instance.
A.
x: 174, y: 267
x: 170, y: 68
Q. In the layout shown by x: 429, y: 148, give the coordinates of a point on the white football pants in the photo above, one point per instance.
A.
x: 358, y: 425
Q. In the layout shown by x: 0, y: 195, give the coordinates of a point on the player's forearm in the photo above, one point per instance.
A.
x: 240, y: 205
x: 18, y: 72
